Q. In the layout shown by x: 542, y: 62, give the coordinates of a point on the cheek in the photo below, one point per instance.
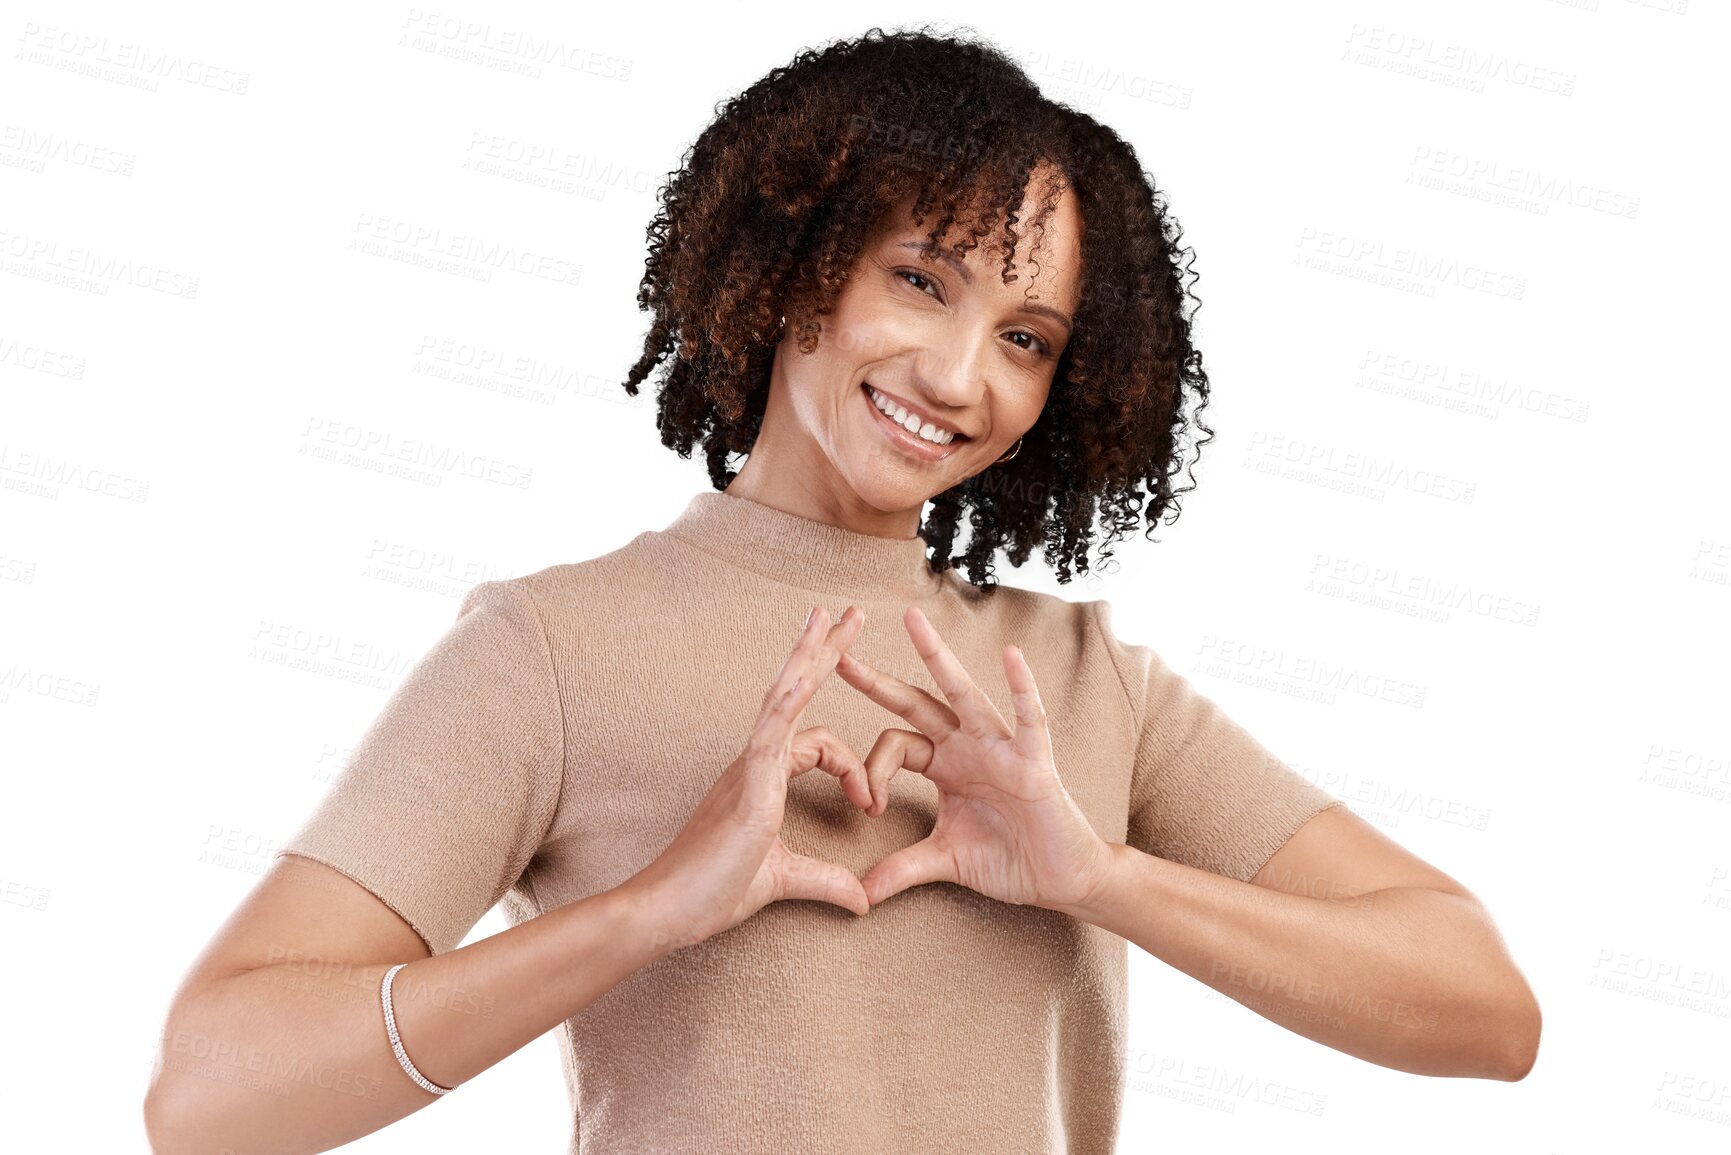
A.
x: 867, y: 326
x: 1019, y: 407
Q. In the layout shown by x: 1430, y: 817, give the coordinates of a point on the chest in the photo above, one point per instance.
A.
x: 648, y: 736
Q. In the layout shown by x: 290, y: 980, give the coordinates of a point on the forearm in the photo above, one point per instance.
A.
x: 1409, y: 978
x: 294, y: 1056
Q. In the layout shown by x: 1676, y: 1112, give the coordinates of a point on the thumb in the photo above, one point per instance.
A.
x: 803, y: 876
x: 925, y: 861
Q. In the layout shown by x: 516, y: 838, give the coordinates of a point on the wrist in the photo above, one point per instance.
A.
x: 645, y: 918
x: 1095, y: 897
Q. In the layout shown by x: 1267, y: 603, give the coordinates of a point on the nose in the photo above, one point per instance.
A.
x: 950, y: 368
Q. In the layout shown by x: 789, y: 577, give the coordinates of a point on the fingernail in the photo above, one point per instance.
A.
x: 811, y: 617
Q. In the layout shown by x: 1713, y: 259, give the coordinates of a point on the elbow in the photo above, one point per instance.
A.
x: 176, y: 1113
x: 174, y: 1126
x: 158, y: 1128
x: 165, y: 1106
x: 1522, y: 1041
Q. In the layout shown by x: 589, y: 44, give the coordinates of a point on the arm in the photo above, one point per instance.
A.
x: 276, y: 1040
x: 1343, y: 937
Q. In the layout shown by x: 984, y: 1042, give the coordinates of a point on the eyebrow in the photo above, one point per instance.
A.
x: 967, y: 276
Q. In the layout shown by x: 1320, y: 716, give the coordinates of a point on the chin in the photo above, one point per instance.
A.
x: 888, y: 489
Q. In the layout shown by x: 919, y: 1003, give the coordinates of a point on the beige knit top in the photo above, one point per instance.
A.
x: 560, y: 733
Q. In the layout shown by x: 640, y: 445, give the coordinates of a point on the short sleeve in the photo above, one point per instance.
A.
x: 453, y: 787
x: 1203, y: 791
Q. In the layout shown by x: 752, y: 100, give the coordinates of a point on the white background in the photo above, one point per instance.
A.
x: 1460, y: 262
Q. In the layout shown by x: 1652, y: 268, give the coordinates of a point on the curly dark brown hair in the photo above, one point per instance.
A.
x: 775, y: 201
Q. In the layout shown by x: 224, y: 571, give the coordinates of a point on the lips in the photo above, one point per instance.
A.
x: 910, y: 407
x: 910, y: 443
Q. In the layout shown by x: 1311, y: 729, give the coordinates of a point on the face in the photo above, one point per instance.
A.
x: 928, y: 370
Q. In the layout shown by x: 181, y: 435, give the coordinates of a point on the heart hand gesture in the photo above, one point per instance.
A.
x: 728, y: 861
x: 1006, y: 826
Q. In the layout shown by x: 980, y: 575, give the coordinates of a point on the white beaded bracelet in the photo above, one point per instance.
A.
x: 425, y: 1083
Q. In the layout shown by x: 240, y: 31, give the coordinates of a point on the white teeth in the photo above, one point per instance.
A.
x: 908, y: 421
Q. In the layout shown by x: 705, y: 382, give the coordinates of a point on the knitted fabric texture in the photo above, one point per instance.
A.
x: 554, y: 740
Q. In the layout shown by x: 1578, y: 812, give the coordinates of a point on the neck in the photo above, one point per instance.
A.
x: 813, y: 553
x: 793, y: 483
x: 845, y: 512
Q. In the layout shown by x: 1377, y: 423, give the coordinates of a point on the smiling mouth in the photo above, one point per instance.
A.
x: 898, y: 431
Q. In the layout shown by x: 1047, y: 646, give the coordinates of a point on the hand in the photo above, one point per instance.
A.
x: 728, y: 861
x: 1006, y: 826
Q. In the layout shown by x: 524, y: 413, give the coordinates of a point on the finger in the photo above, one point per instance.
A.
x: 813, y: 648
x: 974, y: 710
x: 925, y: 861
x: 792, y: 668
x: 812, y: 660
x: 910, y: 703
x: 808, y: 651
x: 894, y: 751
x: 772, y: 733
x: 817, y: 748
x: 803, y: 876
x: 816, y: 658
x: 1032, y: 738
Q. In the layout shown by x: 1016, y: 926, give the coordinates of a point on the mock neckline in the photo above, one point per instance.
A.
x: 798, y: 551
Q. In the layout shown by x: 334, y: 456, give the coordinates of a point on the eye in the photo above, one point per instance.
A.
x: 1039, y: 348
x: 915, y: 277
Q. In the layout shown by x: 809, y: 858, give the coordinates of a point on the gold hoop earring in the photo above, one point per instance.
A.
x: 1015, y: 449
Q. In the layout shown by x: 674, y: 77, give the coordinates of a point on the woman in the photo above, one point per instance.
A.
x: 889, y: 274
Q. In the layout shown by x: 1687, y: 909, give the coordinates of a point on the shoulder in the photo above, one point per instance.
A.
x: 1019, y: 610
x: 573, y: 588
x: 1085, y: 623
x: 1136, y: 665
x: 585, y: 612
x: 1060, y: 634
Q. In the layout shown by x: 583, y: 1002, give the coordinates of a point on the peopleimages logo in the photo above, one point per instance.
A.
x: 350, y: 444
